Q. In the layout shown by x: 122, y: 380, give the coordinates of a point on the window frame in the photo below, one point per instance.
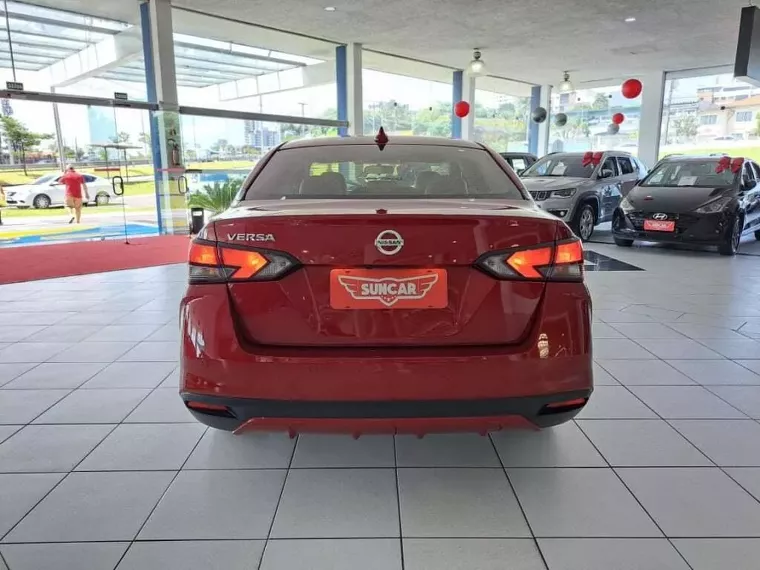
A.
x: 748, y: 114
x: 631, y: 163
x: 615, y: 169
x: 704, y: 123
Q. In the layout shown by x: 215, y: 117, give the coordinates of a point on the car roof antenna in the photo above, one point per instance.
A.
x: 381, y: 138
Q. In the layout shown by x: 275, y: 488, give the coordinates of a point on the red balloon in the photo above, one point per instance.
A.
x: 462, y: 109
x: 618, y: 118
x: 631, y: 88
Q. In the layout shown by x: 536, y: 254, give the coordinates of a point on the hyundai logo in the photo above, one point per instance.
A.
x: 660, y: 216
x: 389, y: 242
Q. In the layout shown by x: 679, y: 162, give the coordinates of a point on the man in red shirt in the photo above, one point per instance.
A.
x: 74, y: 185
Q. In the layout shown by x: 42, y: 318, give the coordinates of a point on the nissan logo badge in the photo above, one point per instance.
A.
x: 660, y: 216
x: 389, y: 242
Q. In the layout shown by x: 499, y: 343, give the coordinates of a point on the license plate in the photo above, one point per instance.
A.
x: 388, y: 289
x: 659, y: 225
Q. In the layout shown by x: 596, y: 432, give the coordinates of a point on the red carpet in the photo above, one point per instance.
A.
x: 27, y: 263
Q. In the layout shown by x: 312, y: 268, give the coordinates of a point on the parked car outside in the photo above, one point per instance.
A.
x: 583, y: 188
x: 46, y: 192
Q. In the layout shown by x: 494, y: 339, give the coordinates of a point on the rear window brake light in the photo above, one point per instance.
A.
x: 562, y: 261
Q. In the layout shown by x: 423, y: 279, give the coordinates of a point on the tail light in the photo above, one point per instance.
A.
x: 215, y: 262
x: 562, y: 261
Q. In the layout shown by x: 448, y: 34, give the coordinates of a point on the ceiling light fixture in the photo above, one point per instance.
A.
x: 329, y: 8
x: 566, y: 86
x: 477, y: 66
x: 629, y: 20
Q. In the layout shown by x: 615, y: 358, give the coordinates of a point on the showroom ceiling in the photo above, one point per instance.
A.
x: 532, y: 41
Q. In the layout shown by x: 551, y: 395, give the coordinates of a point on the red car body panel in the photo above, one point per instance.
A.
x: 554, y: 358
x: 278, y: 355
x: 296, y: 311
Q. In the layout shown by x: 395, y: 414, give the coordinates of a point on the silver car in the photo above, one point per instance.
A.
x: 582, y: 188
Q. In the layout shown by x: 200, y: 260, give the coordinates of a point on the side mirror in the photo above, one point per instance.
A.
x: 606, y: 173
x: 749, y: 185
x: 520, y: 172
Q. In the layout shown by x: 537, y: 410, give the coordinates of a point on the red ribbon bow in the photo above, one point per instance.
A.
x: 726, y: 162
x: 591, y: 158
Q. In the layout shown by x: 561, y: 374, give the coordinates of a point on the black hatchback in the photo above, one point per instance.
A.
x: 704, y: 200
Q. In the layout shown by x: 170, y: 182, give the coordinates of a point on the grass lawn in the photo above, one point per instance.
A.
x: 139, y: 188
x: 222, y: 164
x: 17, y: 176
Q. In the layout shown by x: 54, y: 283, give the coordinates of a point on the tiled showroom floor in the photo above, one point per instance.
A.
x: 101, y: 466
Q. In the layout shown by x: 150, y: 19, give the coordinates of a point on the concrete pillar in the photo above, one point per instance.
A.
x: 350, y: 93
x: 341, y: 84
x: 545, y: 101
x: 162, y: 41
x: 166, y: 137
x: 468, y: 94
x: 535, y: 101
x: 650, y: 122
x: 456, y: 96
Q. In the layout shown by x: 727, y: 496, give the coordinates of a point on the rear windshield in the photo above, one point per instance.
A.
x: 690, y: 173
x: 397, y: 171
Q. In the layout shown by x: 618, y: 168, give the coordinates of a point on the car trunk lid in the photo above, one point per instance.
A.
x: 344, y: 245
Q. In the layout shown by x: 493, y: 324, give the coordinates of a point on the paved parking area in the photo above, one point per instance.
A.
x: 102, y: 467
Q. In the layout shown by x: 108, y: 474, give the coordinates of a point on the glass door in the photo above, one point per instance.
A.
x: 108, y: 146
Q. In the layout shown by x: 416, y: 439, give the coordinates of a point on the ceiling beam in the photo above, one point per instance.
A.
x: 56, y: 23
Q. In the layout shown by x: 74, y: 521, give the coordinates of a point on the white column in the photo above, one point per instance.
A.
x: 355, y: 91
x: 162, y: 38
x: 545, y: 101
x: 650, y: 123
x: 468, y: 94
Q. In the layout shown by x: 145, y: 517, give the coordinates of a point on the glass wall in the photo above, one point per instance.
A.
x: 589, y: 114
x: 52, y: 50
x: 96, y: 140
x: 710, y: 113
x: 502, y: 120
x: 222, y: 64
x: 406, y: 105
x: 218, y: 67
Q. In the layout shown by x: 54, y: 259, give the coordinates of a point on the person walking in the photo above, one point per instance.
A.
x: 75, y: 184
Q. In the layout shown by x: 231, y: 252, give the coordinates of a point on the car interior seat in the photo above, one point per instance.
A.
x: 425, y: 179
x: 325, y: 184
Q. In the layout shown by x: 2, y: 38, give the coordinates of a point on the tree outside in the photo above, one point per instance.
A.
x: 685, y: 127
x: 601, y: 102
x: 120, y: 138
x: 20, y: 139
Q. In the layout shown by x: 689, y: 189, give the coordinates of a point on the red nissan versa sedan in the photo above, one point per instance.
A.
x: 385, y: 286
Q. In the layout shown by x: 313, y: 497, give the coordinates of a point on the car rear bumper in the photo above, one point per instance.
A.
x: 703, y: 229
x: 364, y: 417
x: 392, y: 390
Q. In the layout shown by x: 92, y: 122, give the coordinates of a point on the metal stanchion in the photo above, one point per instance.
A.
x: 118, y: 190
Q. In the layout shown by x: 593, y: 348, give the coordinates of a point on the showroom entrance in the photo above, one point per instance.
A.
x: 107, y: 140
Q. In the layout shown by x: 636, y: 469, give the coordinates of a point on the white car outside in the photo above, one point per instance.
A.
x: 46, y: 192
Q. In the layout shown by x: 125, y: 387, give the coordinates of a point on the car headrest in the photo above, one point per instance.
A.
x: 425, y: 179
x: 327, y: 183
x: 447, y: 185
